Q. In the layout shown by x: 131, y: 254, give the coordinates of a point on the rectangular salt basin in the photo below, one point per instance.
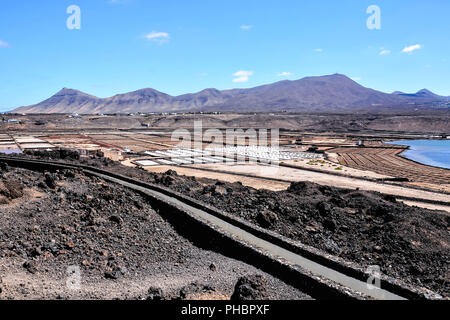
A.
x: 29, y: 140
x: 163, y: 153
x: 195, y: 160
x: 147, y: 163
x: 9, y: 146
x: 178, y: 153
x: 207, y: 159
x: 163, y: 161
x: 36, y: 146
x: 181, y: 161
x: 154, y: 154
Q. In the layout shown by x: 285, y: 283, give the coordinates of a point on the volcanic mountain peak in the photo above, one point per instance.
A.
x: 328, y: 93
x: 210, y: 91
x: 423, y: 93
x: 147, y: 92
x: 333, y: 78
x: 426, y: 93
x: 70, y: 92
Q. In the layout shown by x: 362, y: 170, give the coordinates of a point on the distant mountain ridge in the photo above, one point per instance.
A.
x: 321, y: 94
x: 424, y: 93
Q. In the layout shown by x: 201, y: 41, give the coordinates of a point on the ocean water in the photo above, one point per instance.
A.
x: 10, y: 151
x: 431, y: 152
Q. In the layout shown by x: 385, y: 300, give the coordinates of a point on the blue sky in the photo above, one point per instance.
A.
x: 185, y: 46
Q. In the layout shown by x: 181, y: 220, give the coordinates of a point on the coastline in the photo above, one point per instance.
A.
x: 427, y: 152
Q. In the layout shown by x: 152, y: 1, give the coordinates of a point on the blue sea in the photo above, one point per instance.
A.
x: 10, y: 151
x: 431, y: 152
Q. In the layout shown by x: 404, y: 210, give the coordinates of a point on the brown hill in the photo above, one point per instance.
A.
x: 331, y: 93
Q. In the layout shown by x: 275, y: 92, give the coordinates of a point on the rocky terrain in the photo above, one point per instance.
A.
x: 55, y: 224
x: 409, y: 243
x: 368, y: 228
x: 405, y: 123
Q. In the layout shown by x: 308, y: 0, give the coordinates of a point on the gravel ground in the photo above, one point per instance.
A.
x: 123, y: 248
x: 409, y: 243
x: 364, y: 227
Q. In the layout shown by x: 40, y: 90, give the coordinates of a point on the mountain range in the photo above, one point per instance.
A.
x: 330, y: 93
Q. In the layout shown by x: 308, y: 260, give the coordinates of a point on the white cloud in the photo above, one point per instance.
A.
x: 410, y: 49
x: 384, y: 52
x: 356, y: 78
x: 159, y: 37
x: 246, y: 27
x: 285, y: 74
x: 318, y: 50
x: 242, y: 76
x: 4, y: 44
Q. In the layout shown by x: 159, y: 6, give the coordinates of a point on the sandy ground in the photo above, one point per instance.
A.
x: 428, y: 206
x: 441, y: 187
x: 326, y: 179
x: 332, y: 166
x: 326, y: 165
x: 250, y: 182
x: 290, y: 174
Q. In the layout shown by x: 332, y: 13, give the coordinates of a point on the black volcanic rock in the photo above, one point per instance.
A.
x: 251, y: 287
